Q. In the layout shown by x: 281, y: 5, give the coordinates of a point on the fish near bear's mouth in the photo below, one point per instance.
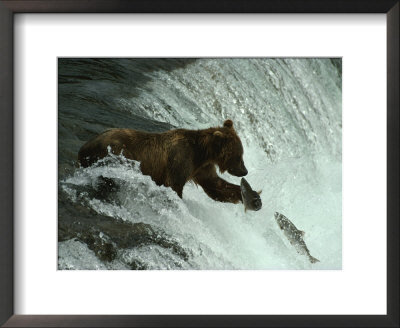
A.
x: 257, y: 204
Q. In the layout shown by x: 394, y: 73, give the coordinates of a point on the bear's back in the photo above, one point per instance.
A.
x: 117, y: 139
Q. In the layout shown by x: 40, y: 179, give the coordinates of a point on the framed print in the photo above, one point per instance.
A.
x: 115, y: 118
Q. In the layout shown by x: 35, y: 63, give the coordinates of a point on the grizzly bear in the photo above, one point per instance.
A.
x: 175, y: 157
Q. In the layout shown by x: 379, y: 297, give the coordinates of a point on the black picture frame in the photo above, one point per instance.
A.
x: 11, y: 7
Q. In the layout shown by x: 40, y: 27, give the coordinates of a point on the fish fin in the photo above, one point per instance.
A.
x: 259, y: 192
x: 313, y: 259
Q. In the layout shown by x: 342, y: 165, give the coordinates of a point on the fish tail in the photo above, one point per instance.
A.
x: 313, y: 259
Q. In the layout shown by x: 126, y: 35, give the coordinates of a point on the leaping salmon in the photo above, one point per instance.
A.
x: 294, y: 235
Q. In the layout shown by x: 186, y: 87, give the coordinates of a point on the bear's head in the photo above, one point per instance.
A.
x: 228, y: 150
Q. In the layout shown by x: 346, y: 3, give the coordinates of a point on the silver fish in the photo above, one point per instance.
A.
x: 294, y: 235
x: 251, y: 199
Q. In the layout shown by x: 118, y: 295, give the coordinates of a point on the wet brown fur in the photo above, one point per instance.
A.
x: 175, y: 157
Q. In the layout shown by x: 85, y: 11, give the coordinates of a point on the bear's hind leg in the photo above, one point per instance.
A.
x: 178, y: 190
x: 179, y: 169
x: 178, y: 182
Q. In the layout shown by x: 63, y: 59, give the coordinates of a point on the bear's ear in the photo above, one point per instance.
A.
x: 218, y: 134
x: 228, y: 124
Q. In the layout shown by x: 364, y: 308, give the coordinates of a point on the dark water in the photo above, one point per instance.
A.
x: 288, y: 114
x: 87, y: 89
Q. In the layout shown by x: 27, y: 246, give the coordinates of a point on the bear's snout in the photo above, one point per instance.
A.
x: 239, y: 172
x: 244, y: 172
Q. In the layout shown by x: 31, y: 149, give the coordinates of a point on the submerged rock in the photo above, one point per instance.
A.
x: 106, y: 236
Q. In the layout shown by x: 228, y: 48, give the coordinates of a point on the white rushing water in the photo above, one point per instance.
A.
x: 287, y: 113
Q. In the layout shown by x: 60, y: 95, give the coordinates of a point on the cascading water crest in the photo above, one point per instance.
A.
x: 289, y: 107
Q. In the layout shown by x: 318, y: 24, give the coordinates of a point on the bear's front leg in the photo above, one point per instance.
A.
x: 217, y: 188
